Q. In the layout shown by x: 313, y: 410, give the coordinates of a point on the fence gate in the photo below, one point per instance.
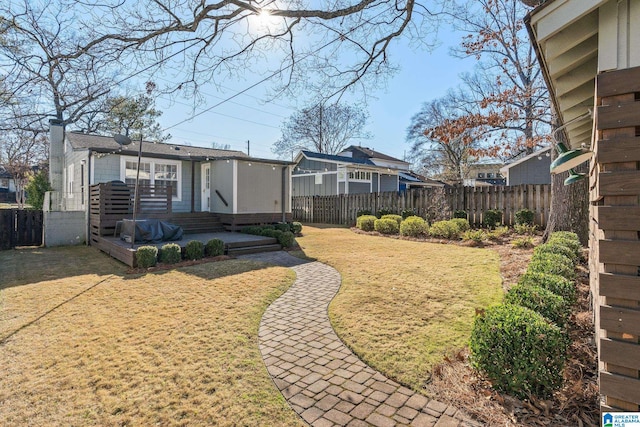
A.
x: 20, y: 228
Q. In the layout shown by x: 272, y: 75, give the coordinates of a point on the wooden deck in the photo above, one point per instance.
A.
x: 234, y: 243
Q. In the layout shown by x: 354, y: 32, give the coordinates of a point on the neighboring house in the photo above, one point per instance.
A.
x: 531, y: 169
x: 318, y: 174
x: 7, y: 183
x: 589, y: 53
x: 484, y: 173
x: 227, y: 183
x: 409, y: 180
x: 355, y: 170
x: 375, y: 157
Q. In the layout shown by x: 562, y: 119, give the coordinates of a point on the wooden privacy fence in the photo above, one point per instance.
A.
x: 20, y: 228
x: 430, y: 203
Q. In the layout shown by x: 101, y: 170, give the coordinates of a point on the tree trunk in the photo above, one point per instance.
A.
x: 569, y: 205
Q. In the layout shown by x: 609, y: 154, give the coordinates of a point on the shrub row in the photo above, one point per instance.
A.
x: 282, y: 234
x: 413, y: 226
x: 171, y: 253
x: 521, y: 345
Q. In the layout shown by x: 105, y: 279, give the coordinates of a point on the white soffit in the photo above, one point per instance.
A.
x: 567, y: 35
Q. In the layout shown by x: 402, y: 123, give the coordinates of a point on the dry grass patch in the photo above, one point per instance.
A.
x: 404, y: 305
x: 172, y: 348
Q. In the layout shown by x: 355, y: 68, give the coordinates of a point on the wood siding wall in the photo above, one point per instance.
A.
x: 614, y: 236
x: 428, y: 203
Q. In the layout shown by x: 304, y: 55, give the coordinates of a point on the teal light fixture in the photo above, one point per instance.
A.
x: 574, y: 177
x: 569, y: 159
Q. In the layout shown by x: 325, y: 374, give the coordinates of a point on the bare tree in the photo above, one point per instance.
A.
x: 326, y: 47
x: 46, y: 72
x: 19, y: 151
x: 445, y: 160
x: 322, y: 128
x: 511, y: 111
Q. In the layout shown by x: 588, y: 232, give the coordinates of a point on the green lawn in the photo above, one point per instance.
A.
x: 82, y: 343
x: 404, y: 305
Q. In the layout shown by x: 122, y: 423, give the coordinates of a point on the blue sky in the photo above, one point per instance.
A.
x: 423, y: 76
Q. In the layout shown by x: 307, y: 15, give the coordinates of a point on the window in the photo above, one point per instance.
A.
x: 360, y: 176
x: 156, y: 172
x: 480, y: 175
x: 489, y: 175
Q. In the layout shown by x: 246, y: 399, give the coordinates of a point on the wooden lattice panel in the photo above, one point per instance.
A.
x: 615, y: 264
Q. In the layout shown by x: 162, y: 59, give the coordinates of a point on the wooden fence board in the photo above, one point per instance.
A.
x: 620, y: 319
x: 343, y: 209
x: 620, y: 387
x: 620, y: 353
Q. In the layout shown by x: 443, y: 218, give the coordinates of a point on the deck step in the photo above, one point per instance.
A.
x: 263, y: 241
x: 245, y: 250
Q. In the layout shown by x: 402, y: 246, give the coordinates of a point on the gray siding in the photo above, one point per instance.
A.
x: 341, y: 186
x: 260, y: 188
x: 388, y: 183
x: 314, y: 165
x: 222, y: 180
x: 374, y: 178
x: 359, y: 187
x: 532, y: 171
x: 305, y: 185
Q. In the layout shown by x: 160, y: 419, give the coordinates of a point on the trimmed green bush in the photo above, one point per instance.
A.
x: 147, y: 256
x: 525, y: 216
x: 214, y: 247
x: 362, y: 212
x: 170, y: 253
x: 366, y: 222
x: 444, y: 229
x: 552, y: 282
x: 287, y: 239
x: 397, y: 218
x: 568, y: 239
x: 386, y: 226
x: 385, y: 211
x: 414, y: 226
x: 556, y: 248
x: 519, y: 350
x: 267, y: 232
x: 492, y: 217
x: 194, y: 250
x: 296, y: 227
x: 406, y: 213
x: 552, y: 264
x: 283, y: 226
x: 540, y: 300
x: 461, y: 223
x: 460, y: 214
x: 252, y: 229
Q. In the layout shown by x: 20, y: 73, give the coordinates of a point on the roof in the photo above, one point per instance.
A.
x: 368, y: 152
x: 565, y: 35
x: 525, y: 158
x: 336, y: 158
x: 106, y: 144
x: 413, y: 178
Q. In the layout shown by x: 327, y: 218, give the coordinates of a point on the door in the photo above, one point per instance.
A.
x: 205, y: 177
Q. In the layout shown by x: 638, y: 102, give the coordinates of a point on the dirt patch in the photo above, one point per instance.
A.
x: 186, y: 263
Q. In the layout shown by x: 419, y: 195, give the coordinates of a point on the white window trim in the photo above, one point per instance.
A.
x: 177, y: 192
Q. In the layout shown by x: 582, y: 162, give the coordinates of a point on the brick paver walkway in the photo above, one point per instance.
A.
x: 323, y: 381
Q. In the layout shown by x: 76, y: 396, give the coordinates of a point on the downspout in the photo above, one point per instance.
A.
x: 283, y: 195
x: 193, y: 186
x: 88, y: 201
